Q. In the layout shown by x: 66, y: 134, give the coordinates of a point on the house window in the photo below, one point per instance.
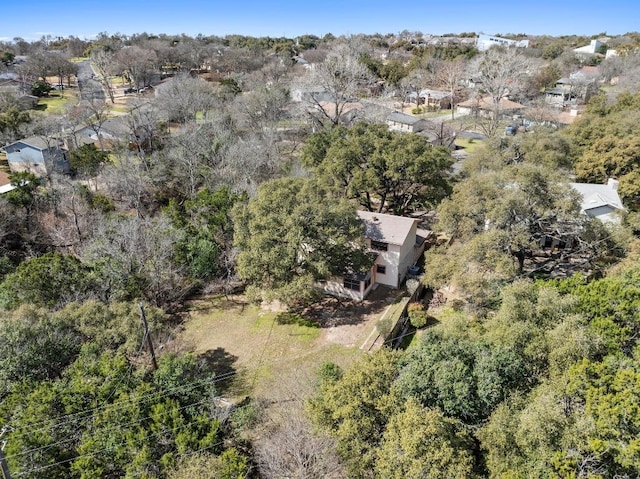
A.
x: 367, y: 282
x: 379, y: 245
x: 351, y: 283
x: 381, y: 269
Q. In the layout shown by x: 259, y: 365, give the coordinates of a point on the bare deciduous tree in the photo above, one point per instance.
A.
x: 262, y: 108
x: 103, y: 63
x: 193, y: 156
x: 291, y: 447
x: 339, y: 77
x: 293, y: 450
x: 627, y: 69
x: 137, y: 253
x: 411, y: 85
x: 128, y: 181
x: 502, y: 72
x: 71, y: 220
x: 249, y: 162
x: 137, y: 64
x: 90, y: 113
x: 448, y: 75
x: 183, y: 97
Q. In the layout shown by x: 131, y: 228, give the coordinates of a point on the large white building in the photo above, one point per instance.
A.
x: 484, y: 42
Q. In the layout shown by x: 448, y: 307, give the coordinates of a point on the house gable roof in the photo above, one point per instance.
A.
x: 597, y: 196
x: 487, y: 103
x: 118, y: 126
x: 556, y: 91
x: 329, y: 107
x: 35, y: 142
x: 435, y: 94
x: 387, y: 228
x: 403, y: 118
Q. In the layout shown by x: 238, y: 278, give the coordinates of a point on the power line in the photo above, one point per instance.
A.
x: 106, y: 449
x: 147, y: 335
x: 119, y: 425
x: 85, y: 414
x: 4, y: 467
x: 264, y: 348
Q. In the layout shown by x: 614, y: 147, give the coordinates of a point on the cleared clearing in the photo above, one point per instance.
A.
x: 265, y: 359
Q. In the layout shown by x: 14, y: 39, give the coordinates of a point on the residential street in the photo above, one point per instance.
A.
x: 90, y: 89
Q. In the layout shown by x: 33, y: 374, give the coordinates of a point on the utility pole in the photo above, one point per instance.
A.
x: 143, y: 317
x: 4, y: 467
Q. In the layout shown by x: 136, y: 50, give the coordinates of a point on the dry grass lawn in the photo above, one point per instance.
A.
x: 268, y: 360
x: 469, y: 145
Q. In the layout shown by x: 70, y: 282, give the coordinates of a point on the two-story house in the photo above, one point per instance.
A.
x: 396, y: 242
x: 37, y: 155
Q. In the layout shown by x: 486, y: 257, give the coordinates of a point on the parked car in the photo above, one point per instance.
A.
x: 129, y: 90
x: 511, y: 130
x: 59, y: 86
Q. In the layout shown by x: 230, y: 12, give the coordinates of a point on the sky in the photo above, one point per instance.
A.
x: 31, y: 19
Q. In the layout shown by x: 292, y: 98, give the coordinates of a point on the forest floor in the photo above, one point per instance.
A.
x: 273, y: 357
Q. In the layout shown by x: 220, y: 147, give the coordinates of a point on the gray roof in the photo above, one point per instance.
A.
x: 37, y: 142
x: 119, y: 126
x: 403, y: 118
x: 437, y: 94
x: 556, y: 91
x: 9, y: 76
x: 388, y: 228
x: 596, y: 196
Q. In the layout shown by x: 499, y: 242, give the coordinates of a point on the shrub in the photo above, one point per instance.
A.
x: 40, y: 88
x: 384, y: 326
x: 457, y: 304
x: 417, y: 315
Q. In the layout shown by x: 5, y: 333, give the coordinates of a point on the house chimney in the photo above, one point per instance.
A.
x: 612, y: 183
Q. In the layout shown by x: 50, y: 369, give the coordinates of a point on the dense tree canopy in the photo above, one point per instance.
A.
x: 49, y: 280
x: 422, y: 442
x: 502, y: 213
x: 380, y: 169
x: 217, y: 176
x: 464, y: 379
x: 606, y: 144
x: 292, y: 233
x: 356, y: 407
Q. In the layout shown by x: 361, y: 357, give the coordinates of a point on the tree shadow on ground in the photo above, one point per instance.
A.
x: 295, y: 318
x: 332, y: 311
x: 217, y: 302
x: 222, y: 364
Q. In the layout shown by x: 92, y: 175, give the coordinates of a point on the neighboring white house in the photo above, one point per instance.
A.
x: 611, y: 53
x: 431, y: 98
x: 37, y: 155
x: 589, y: 49
x: 600, y: 201
x: 484, y: 42
x: 485, y: 107
x: 398, y: 121
x: 397, y: 244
